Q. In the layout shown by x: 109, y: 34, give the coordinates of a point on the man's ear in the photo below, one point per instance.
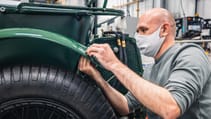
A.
x: 165, y: 30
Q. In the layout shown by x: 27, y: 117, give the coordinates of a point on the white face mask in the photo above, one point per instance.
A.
x: 149, y: 45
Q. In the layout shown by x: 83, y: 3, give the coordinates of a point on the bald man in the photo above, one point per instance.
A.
x: 179, y: 85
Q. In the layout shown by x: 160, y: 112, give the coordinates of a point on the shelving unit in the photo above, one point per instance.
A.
x: 193, y: 41
x: 196, y: 41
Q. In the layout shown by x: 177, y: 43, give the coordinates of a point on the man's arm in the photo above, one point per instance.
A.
x: 117, y: 100
x: 155, y: 98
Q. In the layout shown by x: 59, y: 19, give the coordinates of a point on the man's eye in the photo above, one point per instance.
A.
x: 143, y: 30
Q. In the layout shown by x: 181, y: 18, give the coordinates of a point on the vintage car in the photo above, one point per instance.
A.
x: 40, y: 46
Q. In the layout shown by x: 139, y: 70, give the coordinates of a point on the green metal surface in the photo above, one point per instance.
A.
x: 58, y: 9
x: 55, y: 35
x: 105, y: 3
x: 45, y: 35
x: 35, y: 45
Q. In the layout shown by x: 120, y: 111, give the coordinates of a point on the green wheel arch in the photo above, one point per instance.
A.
x: 44, y: 35
x: 28, y: 45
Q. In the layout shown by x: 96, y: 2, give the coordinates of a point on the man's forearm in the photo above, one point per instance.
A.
x: 154, y: 97
x: 117, y: 100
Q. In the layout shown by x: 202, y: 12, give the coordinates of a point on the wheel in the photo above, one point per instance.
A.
x: 38, y: 92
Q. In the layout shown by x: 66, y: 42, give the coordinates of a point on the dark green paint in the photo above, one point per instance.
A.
x: 105, y: 3
x: 58, y: 9
x: 14, y: 33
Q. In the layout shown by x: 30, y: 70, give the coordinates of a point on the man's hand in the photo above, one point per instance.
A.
x: 104, y: 55
x: 118, y: 101
x: 86, y: 67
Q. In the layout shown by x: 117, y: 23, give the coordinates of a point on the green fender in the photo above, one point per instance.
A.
x: 35, y: 46
x: 44, y: 35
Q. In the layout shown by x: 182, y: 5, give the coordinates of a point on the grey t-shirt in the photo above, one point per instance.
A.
x: 185, y: 71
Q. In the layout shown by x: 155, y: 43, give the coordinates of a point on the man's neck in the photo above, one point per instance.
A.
x: 166, y: 45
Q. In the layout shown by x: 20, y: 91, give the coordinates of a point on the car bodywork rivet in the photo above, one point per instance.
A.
x: 2, y: 9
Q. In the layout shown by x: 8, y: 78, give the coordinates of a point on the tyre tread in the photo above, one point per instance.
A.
x: 57, y: 84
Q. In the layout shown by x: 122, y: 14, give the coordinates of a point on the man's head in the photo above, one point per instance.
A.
x: 158, y: 19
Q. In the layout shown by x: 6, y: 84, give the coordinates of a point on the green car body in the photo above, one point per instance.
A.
x: 55, y: 35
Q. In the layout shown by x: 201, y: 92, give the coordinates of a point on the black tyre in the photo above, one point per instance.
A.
x: 37, y: 92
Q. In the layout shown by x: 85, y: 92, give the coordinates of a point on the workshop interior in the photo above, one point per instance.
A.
x: 41, y: 42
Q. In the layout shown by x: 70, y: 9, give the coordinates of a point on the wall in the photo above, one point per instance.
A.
x: 189, y: 8
x: 181, y: 8
x: 204, y: 8
x: 175, y: 6
x: 132, y: 12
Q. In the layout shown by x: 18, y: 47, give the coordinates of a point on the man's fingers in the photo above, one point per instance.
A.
x: 86, y: 62
x: 79, y: 64
x: 100, y: 45
x: 99, y: 50
x: 97, y: 47
x: 94, y: 54
x: 82, y: 63
x: 93, y: 49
